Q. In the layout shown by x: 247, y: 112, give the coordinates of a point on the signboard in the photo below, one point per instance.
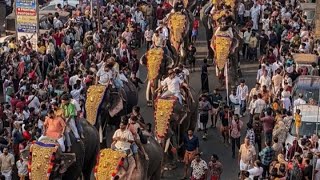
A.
x: 27, y: 20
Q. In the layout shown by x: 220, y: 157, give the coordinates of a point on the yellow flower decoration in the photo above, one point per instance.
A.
x: 164, y: 109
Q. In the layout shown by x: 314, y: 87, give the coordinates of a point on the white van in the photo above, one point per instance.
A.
x: 310, y: 118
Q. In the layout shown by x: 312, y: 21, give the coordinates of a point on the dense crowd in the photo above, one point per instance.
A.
x: 86, y: 50
x: 273, y: 32
x: 44, y: 89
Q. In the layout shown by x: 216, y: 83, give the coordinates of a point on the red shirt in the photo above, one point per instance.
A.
x: 58, y: 38
x: 160, y: 13
x: 195, y: 24
x: 33, y: 75
x: 14, y: 102
x: 21, y: 104
x: 26, y: 135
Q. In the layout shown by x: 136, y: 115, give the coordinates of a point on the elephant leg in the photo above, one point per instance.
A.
x: 157, y: 175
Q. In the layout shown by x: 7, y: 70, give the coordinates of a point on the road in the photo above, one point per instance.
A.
x: 214, y: 142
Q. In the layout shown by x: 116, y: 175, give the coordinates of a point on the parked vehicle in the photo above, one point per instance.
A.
x: 310, y: 123
x: 308, y: 86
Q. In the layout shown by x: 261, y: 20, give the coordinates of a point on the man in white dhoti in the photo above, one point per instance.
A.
x: 255, y: 13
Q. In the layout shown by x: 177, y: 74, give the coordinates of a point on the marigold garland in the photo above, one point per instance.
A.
x: 154, y: 59
x: 108, y: 163
x: 163, y: 111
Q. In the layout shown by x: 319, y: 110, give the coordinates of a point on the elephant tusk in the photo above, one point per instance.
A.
x: 148, y: 91
x: 183, y: 118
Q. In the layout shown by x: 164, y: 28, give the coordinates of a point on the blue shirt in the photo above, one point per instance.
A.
x: 266, y: 155
x: 191, y: 144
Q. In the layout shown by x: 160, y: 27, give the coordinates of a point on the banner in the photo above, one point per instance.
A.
x: 27, y: 20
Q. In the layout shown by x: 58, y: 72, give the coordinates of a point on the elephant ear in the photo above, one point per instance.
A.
x: 67, y: 159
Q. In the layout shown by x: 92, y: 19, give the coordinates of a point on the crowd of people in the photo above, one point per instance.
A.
x: 44, y: 89
x: 273, y: 32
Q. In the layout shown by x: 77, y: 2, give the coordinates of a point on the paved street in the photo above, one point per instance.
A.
x: 214, y: 142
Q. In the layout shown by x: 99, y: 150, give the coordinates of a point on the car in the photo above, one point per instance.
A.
x: 308, y: 86
x: 310, y: 123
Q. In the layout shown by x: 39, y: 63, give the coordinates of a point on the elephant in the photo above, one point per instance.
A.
x: 69, y: 166
x: 153, y: 82
x: 179, y: 44
x: 213, y: 26
x: 105, y: 106
x: 146, y: 169
x: 178, y: 120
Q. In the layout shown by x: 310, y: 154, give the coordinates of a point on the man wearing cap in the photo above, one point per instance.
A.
x: 173, y: 84
x: 70, y: 114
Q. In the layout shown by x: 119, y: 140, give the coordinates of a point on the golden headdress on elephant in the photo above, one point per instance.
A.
x: 109, y: 162
x: 177, y: 23
x: 95, y: 95
x: 154, y: 58
x: 41, y: 160
x: 163, y: 112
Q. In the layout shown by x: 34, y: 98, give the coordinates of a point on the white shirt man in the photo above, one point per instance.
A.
x: 173, y: 84
x: 242, y: 92
x: 256, y: 171
x: 234, y: 99
x: 138, y: 16
x: 76, y: 93
x: 241, y: 9
x: 255, y: 12
x: 265, y: 80
x: 57, y: 24
x: 34, y: 102
x: 148, y: 35
x: 122, y: 144
x: 73, y: 80
x: 299, y: 101
x: 104, y: 76
x: 165, y: 32
x: 158, y: 40
x: 259, y: 105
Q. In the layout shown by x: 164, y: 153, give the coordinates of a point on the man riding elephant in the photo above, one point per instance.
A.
x: 134, y: 164
x: 48, y: 161
x: 157, y: 63
x: 54, y: 127
x: 110, y: 98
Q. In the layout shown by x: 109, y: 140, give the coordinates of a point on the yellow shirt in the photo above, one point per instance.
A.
x: 253, y: 42
x: 42, y: 49
x: 297, y: 120
x: 12, y: 46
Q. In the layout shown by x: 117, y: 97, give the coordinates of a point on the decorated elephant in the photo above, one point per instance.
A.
x: 105, y: 106
x: 172, y: 120
x: 113, y: 163
x: 222, y: 36
x: 47, y: 161
x: 157, y: 63
x: 180, y: 28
